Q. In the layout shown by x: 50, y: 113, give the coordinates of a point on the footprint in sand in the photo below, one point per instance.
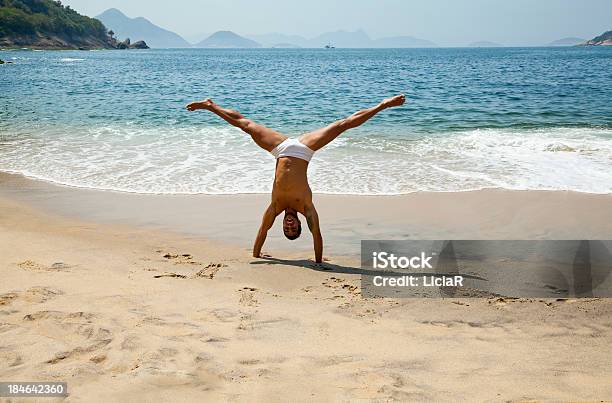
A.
x: 99, y: 358
x: 246, y: 322
x: 208, y: 272
x: 34, y: 295
x: 247, y: 296
x: 77, y: 330
x: 38, y: 295
x: 340, y: 284
x: 130, y: 343
x: 184, y: 258
x: 211, y: 270
x: 332, y: 282
x: 187, y: 259
x: 34, y: 266
x: 6, y: 299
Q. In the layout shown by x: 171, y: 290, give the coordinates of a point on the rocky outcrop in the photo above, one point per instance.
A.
x: 127, y: 44
x: 124, y: 45
x: 604, y: 39
x: 139, y: 45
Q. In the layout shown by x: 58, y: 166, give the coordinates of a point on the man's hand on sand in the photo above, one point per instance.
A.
x: 394, y: 101
x: 319, y: 265
x: 194, y: 106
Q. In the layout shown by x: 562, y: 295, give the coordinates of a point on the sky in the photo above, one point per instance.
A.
x: 445, y: 22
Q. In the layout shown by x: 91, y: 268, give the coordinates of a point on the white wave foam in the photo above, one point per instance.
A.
x: 223, y: 160
x: 70, y: 59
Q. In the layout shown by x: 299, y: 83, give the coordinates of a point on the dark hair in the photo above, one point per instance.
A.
x: 299, y: 231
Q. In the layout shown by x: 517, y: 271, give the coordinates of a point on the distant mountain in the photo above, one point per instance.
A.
x: 604, y: 39
x: 360, y: 39
x: 402, y: 42
x: 571, y: 41
x: 141, y: 28
x: 227, y: 39
x: 485, y: 44
x: 49, y: 25
x: 342, y: 39
x: 338, y: 39
x: 270, y: 40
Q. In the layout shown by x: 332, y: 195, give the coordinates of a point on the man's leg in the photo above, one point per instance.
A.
x: 320, y: 138
x: 265, y: 137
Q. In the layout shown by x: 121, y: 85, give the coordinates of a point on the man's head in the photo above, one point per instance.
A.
x: 292, y: 227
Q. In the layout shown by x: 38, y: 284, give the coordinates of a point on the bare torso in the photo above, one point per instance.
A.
x: 291, y: 189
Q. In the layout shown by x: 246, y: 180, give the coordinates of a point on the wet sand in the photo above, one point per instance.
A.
x: 345, y: 220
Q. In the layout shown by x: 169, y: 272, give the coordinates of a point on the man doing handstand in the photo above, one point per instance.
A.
x: 291, y: 192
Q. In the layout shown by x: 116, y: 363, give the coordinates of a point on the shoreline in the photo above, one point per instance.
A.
x: 345, y: 219
x: 119, y: 191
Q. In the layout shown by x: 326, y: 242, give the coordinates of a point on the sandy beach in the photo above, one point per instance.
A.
x: 305, y: 202
x: 157, y: 298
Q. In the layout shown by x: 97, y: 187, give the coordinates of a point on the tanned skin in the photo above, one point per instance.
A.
x: 291, y: 193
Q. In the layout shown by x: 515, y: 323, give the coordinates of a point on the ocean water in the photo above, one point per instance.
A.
x: 513, y: 118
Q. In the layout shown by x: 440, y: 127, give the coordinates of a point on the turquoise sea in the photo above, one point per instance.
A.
x: 514, y: 118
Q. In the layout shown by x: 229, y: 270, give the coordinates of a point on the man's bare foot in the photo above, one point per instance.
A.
x: 394, y: 101
x: 206, y: 104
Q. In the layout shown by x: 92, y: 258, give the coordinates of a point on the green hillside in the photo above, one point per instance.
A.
x: 48, y: 24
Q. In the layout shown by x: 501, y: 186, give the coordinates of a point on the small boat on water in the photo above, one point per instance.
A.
x: 329, y: 46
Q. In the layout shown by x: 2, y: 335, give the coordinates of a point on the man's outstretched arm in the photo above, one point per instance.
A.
x: 266, y: 223
x: 312, y: 218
